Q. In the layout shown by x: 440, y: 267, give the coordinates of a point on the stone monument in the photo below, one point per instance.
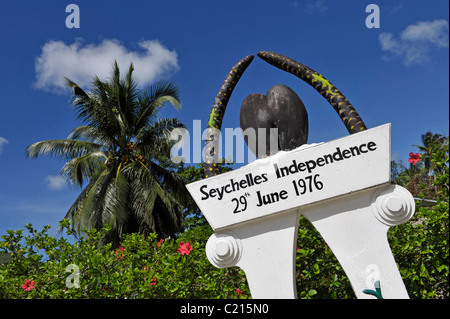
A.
x: 342, y: 187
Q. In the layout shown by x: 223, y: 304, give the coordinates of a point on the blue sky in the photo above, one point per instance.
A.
x: 397, y: 73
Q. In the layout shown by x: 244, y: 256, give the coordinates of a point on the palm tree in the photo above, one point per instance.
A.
x: 430, y: 141
x: 115, y: 152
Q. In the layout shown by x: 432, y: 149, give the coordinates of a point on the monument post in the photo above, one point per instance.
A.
x: 341, y: 186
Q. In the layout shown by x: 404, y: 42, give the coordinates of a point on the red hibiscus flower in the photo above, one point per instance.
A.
x: 160, y: 242
x: 28, y: 285
x: 153, y: 282
x: 117, y: 252
x: 414, y: 158
x: 185, y: 248
x: 239, y: 292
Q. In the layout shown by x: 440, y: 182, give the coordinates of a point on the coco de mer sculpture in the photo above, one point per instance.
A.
x: 341, y: 186
x: 282, y: 116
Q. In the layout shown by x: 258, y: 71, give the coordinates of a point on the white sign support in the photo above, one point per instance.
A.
x: 341, y: 186
x: 355, y: 228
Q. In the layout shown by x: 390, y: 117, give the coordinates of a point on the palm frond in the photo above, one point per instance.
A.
x: 169, y: 220
x: 92, y: 134
x: 82, y: 102
x: 106, y: 115
x: 130, y: 94
x: 93, y: 212
x: 142, y: 201
x: 152, y: 99
x: 162, y: 128
x: 78, y: 93
x: 114, y: 201
x: 84, y: 167
x: 87, y: 216
x: 173, y: 183
x: 168, y: 202
x: 101, y: 202
x: 75, y: 212
x: 63, y: 148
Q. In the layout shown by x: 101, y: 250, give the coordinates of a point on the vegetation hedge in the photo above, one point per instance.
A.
x: 37, y: 265
x: 148, y: 268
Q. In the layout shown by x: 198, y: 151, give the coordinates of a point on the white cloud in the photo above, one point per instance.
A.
x: 316, y: 6
x: 55, y: 182
x: 435, y: 32
x: 80, y: 62
x: 2, y: 142
x: 396, y: 8
x: 416, y: 41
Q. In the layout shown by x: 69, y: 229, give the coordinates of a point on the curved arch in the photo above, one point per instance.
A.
x: 338, y: 101
x: 218, y: 112
x: 341, y: 105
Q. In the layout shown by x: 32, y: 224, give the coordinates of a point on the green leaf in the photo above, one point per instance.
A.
x: 312, y: 292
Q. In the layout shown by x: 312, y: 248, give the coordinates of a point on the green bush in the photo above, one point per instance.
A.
x: 421, y: 245
x: 319, y: 274
x: 147, y: 268
x: 42, y: 266
x: 140, y: 268
x: 421, y: 249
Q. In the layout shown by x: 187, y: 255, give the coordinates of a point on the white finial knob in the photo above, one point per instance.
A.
x: 224, y: 249
x: 393, y: 205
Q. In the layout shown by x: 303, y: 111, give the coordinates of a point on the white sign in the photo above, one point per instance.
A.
x: 289, y: 180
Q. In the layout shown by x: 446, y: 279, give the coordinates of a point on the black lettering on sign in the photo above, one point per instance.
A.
x: 233, y: 185
x: 270, y: 198
x: 309, y: 183
x: 326, y: 159
x: 241, y: 203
